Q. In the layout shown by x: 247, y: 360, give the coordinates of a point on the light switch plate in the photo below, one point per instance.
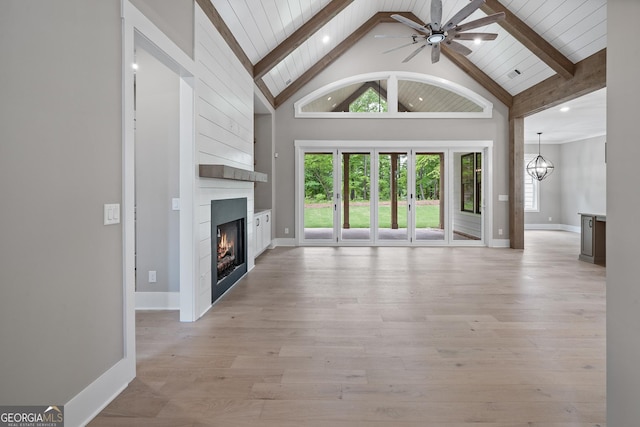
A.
x: 111, y: 214
x: 503, y: 197
x: 175, y: 204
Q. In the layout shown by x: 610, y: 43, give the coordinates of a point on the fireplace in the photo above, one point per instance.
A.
x: 228, y: 244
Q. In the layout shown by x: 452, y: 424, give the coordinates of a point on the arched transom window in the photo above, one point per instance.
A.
x: 394, y: 95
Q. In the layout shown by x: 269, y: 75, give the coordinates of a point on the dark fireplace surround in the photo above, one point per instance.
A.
x: 228, y: 244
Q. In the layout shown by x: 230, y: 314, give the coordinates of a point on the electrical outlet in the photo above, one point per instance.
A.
x: 499, y: 231
x: 286, y: 230
x: 152, y: 276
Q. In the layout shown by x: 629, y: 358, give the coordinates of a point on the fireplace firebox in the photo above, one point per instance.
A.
x: 228, y: 244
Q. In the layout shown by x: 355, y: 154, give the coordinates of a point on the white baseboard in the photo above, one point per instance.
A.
x: 571, y: 228
x: 86, y: 405
x: 500, y: 243
x: 542, y: 227
x: 157, y: 300
x: 284, y: 242
x: 562, y: 227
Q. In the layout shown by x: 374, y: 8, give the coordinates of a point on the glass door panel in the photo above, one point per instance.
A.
x: 355, y: 210
x: 467, y: 207
x: 429, y: 196
x: 392, y: 196
x: 318, y: 196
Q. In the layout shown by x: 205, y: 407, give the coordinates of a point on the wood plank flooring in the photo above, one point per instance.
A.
x: 382, y: 337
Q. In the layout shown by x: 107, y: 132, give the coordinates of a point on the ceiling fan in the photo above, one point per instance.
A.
x: 434, y: 33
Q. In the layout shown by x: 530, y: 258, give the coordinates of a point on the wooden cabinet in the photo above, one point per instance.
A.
x: 593, y: 238
x: 262, y: 236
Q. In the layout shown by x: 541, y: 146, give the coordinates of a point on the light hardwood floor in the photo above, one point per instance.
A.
x: 382, y: 337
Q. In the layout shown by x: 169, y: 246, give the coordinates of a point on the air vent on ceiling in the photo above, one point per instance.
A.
x: 515, y: 73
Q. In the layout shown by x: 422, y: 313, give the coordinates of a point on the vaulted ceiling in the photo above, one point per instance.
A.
x: 284, y: 43
x: 557, y: 46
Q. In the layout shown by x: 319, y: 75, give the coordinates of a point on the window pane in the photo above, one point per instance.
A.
x: 355, y: 209
x: 531, y: 190
x: 422, y: 97
x: 318, y: 196
x: 359, y: 97
x: 371, y: 101
x: 467, y: 182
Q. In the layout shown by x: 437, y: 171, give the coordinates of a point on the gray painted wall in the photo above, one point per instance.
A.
x: 578, y: 183
x: 263, y: 124
x: 365, y: 57
x: 173, y: 17
x: 584, y: 179
x: 623, y: 176
x: 61, y: 309
x: 157, y: 151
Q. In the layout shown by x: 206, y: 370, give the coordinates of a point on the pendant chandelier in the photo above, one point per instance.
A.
x: 539, y: 168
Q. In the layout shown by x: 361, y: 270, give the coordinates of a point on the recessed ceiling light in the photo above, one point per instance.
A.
x: 134, y: 66
x: 326, y: 39
x: 329, y: 99
x: 477, y: 41
x: 565, y: 109
x: 420, y: 98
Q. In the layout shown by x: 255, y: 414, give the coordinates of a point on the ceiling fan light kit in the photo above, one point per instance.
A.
x: 434, y: 34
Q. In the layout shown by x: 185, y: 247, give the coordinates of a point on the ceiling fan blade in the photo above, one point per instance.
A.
x: 463, y: 14
x: 435, y: 53
x: 436, y: 14
x: 460, y: 48
x: 399, y: 47
x: 410, y: 23
x: 474, y: 36
x: 490, y: 19
x: 414, y: 53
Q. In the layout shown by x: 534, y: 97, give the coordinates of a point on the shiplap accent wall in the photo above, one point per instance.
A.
x: 224, y: 135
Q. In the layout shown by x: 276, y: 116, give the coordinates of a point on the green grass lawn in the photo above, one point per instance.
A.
x: 428, y: 216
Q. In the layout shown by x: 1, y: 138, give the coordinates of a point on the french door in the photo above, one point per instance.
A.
x: 382, y: 196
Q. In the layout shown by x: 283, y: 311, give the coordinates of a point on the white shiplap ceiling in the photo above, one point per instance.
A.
x: 576, y: 28
x: 581, y: 118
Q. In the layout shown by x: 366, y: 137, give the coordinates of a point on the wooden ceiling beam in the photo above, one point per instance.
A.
x: 531, y: 40
x: 301, y: 35
x: 590, y: 75
x: 335, y: 53
x: 226, y: 33
x: 478, y: 75
x: 266, y: 92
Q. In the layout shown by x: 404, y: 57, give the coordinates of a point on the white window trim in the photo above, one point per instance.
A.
x: 535, y: 183
x: 392, y: 95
